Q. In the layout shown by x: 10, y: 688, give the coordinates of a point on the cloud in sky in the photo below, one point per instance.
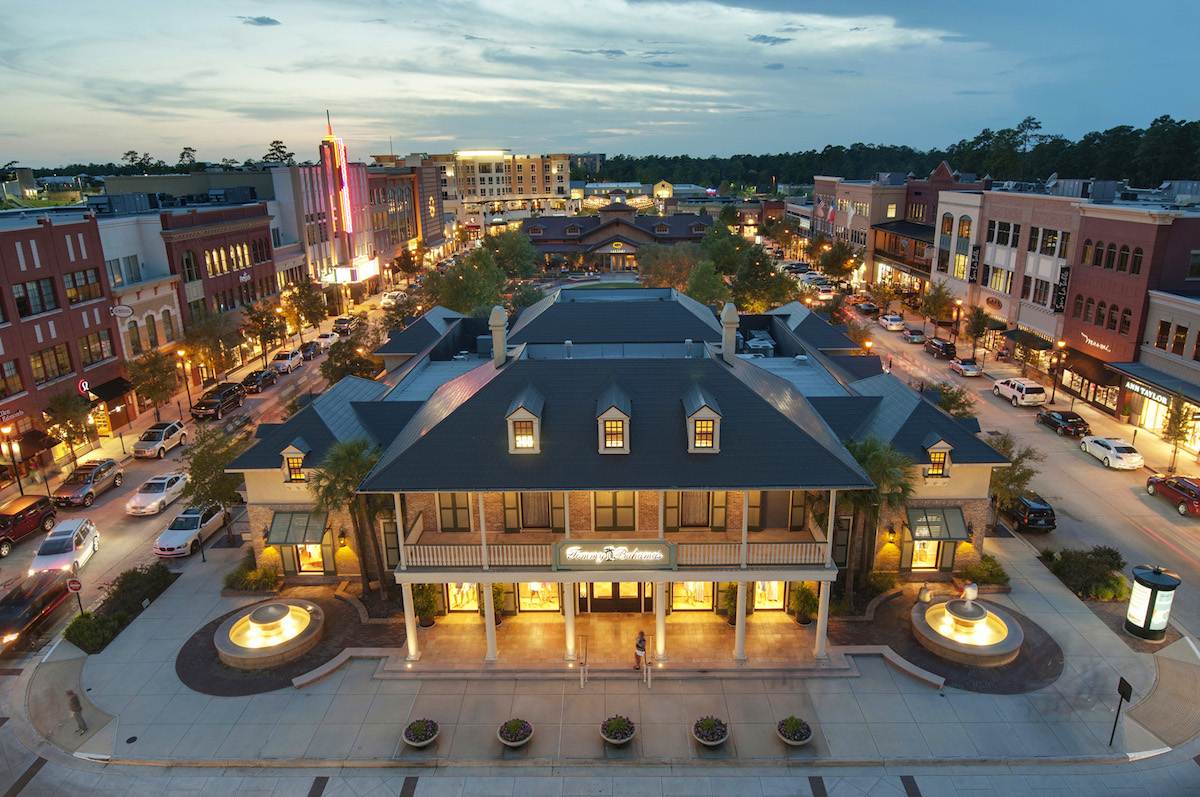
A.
x: 553, y: 75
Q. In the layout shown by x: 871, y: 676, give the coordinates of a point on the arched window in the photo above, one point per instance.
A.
x: 1086, y: 257
x: 1100, y: 313
x: 1110, y: 256
x: 208, y: 262
x: 1123, y: 259
x: 1077, y: 310
x: 224, y: 263
x: 151, y: 332
x: 1126, y: 319
x: 1112, y: 316
x: 947, y: 224
x: 1087, y: 310
x: 168, y: 326
x: 135, y: 337
x: 1098, y: 254
x: 1135, y: 267
x: 964, y: 227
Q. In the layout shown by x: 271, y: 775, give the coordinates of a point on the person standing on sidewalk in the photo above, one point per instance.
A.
x: 639, y: 650
x: 76, y: 707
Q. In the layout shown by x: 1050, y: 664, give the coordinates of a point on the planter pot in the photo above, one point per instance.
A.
x: 793, y: 742
x: 804, y: 621
x: 425, y: 622
x: 426, y: 743
x: 619, y: 742
x: 1123, y: 418
x: 514, y: 745
x: 717, y: 743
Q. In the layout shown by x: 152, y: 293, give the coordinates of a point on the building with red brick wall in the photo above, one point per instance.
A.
x: 56, y: 331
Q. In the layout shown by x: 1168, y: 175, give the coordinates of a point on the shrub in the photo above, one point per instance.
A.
x: 133, y: 586
x: 420, y: 731
x: 425, y: 600
x: 804, y: 602
x: 617, y: 727
x: 879, y: 583
x: 92, y: 632
x: 710, y: 729
x: 516, y: 730
x: 794, y: 729
x: 250, y: 578
x: 1091, y: 574
x: 986, y: 571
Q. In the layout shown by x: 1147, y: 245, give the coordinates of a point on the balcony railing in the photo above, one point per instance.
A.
x: 472, y: 555
x: 706, y: 554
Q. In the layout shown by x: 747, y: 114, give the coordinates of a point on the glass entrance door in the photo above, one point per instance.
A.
x: 616, y: 596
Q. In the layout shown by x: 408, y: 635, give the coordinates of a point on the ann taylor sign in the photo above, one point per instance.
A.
x: 614, y: 555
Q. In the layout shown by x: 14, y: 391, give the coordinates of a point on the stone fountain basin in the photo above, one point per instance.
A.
x: 261, y: 658
x: 996, y: 654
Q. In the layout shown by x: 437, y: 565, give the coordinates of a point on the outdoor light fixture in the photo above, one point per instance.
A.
x: 342, y: 538
x: 891, y: 534
x: 1150, y: 602
x: 266, y: 534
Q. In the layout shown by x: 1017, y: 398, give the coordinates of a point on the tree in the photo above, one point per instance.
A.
x: 187, y: 157
x: 407, y: 264
x: 757, y: 286
x: 936, y: 303
x: 513, y: 252
x: 1177, y: 428
x: 67, y: 418
x: 153, y: 377
x: 352, y: 356
x: 1011, y: 482
x: 211, y: 452
x: 975, y: 326
x: 228, y: 163
x: 334, y: 485
x: 304, y: 305
x: 666, y: 266
x: 706, y: 286
x: 475, y: 281
x: 525, y: 294
x: 727, y: 217
x: 278, y: 153
x: 955, y: 400
x: 892, y: 473
x: 210, y: 339
x: 263, y: 323
x: 885, y: 293
x: 838, y: 261
x: 858, y: 331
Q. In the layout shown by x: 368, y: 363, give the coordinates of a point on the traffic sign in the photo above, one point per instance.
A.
x: 74, y: 585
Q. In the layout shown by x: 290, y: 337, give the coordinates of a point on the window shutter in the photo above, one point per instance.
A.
x: 327, y: 560
x: 796, y: 515
x: 558, y: 512
x: 946, y: 555
x: 906, y: 553
x: 671, y: 510
x: 754, y: 510
x: 718, y: 510
x: 512, y: 514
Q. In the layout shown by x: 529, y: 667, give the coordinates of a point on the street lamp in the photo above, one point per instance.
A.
x: 182, y: 364
x: 12, y: 455
x: 867, y: 344
x: 957, y: 317
x: 1057, y: 360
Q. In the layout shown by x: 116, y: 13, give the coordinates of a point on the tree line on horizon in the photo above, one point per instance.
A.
x: 1166, y: 149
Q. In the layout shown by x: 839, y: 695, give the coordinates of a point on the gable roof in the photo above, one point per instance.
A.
x: 812, y: 330
x: 613, y: 397
x: 421, y: 333
x: 655, y: 315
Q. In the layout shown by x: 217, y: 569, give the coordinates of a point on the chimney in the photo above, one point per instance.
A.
x: 729, y: 325
x: 498, y: 324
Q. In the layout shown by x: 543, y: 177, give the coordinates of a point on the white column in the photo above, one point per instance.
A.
x: 489, y: 622
x: 410, y: 623
x: 822, y: 621
x: 569, y: 599
x: 483, y: 535
x: 745, y: 558
x: 829, y: 526
x: 660, y: 619
x: 400, y: 531
x: 739, y: 635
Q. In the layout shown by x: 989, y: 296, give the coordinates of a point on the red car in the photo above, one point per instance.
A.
x: 1182, y: 491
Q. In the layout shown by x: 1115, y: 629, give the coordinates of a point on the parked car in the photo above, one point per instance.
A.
x: 1020, y: 392
x: 287, y: 361
x: 345, y: 325
x: 911, y: 335
x: 32, y: 599
x: 327, y: 339
x: 258, y: 381
x: 311, y: 350
x: 1113, y: 452
x: 87, y: 481
x: 940, y: 349
x: 965, y: 366
x: 1064, y: 422
x: 159, y: 439
x: 156, y: 493
x: 891, y: 322
x: 68, y: 547
x: 1182, y: 491
x: 825, y: 293
x: 857, y: 298
x: 219, y: 400
x: 868, y: 308
x: 21, y: 517
x: 189, y: 530
x: 391, y: 299
x: 1031, y: 512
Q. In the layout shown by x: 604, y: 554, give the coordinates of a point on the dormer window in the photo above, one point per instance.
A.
x: 573, y: 230
x: 661, y: 229
x: 523, y: 434
x: 703, y: 419
x: 536, y: 231
x: 293, y: 460
x: 295, y: 469
x: 524, y: 419
x: 939, y: 457
x: 614, y: 434
x: 613, y: 411
x: 698, y: 228
x: 704, y: 432
x: 937, y: 463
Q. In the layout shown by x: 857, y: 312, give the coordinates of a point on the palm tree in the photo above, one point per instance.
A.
x: 892, y: 473
x: 976, y: 326
x: 935, y: 304
x: 334, y: 486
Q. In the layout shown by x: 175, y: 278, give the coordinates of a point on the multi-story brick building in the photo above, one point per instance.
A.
x: 406, y: 211
x: 480, y: 185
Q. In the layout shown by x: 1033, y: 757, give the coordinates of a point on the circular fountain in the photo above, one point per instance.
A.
x: 965, y: 631
x: 269, y: 634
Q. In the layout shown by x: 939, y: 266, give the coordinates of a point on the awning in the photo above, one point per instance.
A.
x: 914, y: 271
x: 937, y: 523
x: 1090, y: 368
x: 1028, y: 340
x: 297, y: 528
x: 111, y: 390
x: 1159, y: 379
x: 996, y: 324
x: 35, y: 440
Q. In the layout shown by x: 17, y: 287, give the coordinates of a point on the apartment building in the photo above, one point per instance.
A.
x: 481, y: 185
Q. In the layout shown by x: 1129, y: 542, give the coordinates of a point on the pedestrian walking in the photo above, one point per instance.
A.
x: 639, y: 650
x: 76, y: 707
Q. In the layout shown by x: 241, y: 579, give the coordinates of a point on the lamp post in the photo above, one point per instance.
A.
x: 957, y: 317
x: 12, y: 455
x: 1056, y: 361
x: 182, y: 365
x: 867, y: 344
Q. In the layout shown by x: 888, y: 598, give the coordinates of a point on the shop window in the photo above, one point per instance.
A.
x: 462, y: 597
x: 454, y: 511
x: 1164, y: 335
x: 538, y: 596
x: 614, y: 510
x: 692, y: 596
x: 1126, y: 320
x: 768, y: 595
x: 1179, y: 339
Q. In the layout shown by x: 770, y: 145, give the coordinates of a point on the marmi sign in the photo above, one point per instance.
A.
x: 614, y: 555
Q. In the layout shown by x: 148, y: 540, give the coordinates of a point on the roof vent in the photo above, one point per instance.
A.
x: 568, y: 345
x: 687, y: 348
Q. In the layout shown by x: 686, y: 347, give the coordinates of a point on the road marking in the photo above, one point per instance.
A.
x: 318, y: 786
x: 816, y: 784
x: 910, y: 786
x: 26, y: 776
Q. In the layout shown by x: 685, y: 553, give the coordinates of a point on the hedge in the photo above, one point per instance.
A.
x: 92, y: 631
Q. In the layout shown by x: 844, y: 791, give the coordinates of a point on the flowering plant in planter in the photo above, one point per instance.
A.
x: 617, y: 729
x: 794, y: 730
x: 421, y: 732
x: 710, y: 730
x: 515, y: 731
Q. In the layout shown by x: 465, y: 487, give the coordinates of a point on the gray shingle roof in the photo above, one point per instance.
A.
x: 651, y: 316
x: 613, y: 397
x: 421, y: 333
x: 812, y: 330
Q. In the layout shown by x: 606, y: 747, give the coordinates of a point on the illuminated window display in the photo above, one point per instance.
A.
x: 308, y: 559
x: 768, y: 595
x: 462, y: 597
x: 692, y: 596
x: 538, y: 596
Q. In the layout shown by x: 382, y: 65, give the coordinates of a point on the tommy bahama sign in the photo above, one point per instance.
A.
x: 614, y: 555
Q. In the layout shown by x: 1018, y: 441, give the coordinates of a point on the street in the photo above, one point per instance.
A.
x: 1094, y: 505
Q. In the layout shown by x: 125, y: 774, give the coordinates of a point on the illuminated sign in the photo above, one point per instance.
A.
x: 1142, y: 390
x: 614, y: 555
x: 83, y: 386
x: 1096, y: 344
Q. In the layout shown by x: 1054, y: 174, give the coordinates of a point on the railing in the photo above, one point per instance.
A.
x: 472, y: 555
x: 710, y: 553
x: 717, y: 554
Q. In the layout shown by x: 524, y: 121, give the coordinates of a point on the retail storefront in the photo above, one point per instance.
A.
x: 304, y: 541
x: 1088, y: 378
x: 1030, y: 347
x: 901, y: 274
x: 931, y: 539
x: 1148, y: 394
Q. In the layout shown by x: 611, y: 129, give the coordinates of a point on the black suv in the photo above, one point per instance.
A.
x: 940, y: 349
x: 218, y: 401
x: 1031, y: 512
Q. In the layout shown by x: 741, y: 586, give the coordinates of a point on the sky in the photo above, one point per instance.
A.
x: 86, y: 81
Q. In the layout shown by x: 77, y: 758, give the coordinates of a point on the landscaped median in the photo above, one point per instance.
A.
x: 130, y: 593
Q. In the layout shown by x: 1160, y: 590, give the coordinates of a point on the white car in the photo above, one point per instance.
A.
x: 327, y: 339
x: 189, y: 531
x: 892, y: 322
x: 824, y: 293
x: 1020, y: 392
x: 287, y: 361
x: 68, y: 547
x: 965, y: 366
x: 1112, y: 451
x: 392, y: 298
x: 156, y: 494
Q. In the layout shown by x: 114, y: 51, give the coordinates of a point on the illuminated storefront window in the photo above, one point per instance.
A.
x: 462, y: 597
x: 538, y: 596
x: 768, y: 595
x: 692, y: 595
x: 308, y: 559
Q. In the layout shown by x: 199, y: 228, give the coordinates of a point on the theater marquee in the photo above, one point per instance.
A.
x: 614, y: 555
